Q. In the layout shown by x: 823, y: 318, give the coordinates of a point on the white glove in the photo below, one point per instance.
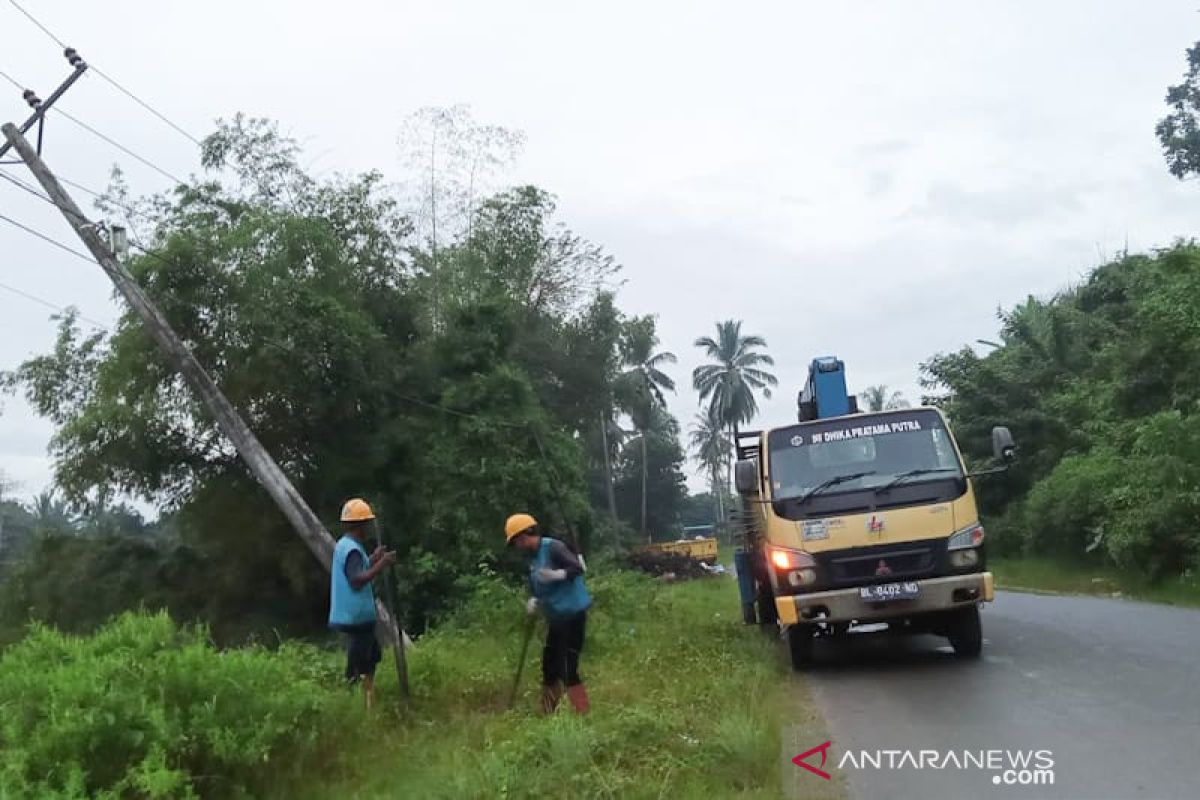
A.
x: 547, y: 575
x: 531, y: 606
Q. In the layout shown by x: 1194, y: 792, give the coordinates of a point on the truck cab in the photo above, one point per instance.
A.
x: 860, y: 518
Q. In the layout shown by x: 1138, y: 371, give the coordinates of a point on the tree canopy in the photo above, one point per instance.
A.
x: 1100, y: 385
x: 450, y: 389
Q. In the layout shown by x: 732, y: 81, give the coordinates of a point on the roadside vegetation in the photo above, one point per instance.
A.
x: 687, y: 703
x: 1072, y: 577
x: 1100, y: 386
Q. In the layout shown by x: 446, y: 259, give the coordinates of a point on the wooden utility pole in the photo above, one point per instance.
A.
x: 261, y: 464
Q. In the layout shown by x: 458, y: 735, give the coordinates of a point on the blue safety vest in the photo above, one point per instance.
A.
x: 559, y: 599
x: 347, y: 605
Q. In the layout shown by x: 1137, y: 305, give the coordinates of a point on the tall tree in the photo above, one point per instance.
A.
x: 730, y: 383
x: 1179, y: 131
x: 650, y: 477
x: 712, y: 449
x: 454, y: 161
x: 641, y: 385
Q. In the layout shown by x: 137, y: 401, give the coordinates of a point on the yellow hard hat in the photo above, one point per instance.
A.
x: 516, y: 525
x: 357, y: 510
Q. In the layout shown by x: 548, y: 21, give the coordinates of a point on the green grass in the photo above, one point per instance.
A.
x: 1045, y: 574
x: 686, y: 702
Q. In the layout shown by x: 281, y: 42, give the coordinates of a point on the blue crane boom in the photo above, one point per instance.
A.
x: 824, y: 394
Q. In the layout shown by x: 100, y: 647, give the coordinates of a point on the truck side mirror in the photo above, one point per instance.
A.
x: 745, y: 476
x: 1003, y: 446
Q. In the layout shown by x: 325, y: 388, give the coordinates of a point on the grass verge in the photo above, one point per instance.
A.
x: 1057, y: 576
x: 686, y: 702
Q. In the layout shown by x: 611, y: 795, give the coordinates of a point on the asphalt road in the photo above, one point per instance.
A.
x: 1110, y: 687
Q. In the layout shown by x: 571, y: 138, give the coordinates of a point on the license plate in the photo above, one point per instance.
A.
x: 889, y: 591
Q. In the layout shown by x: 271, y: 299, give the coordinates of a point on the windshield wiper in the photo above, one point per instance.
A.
x: 912, y: 473
x: 834, y: 481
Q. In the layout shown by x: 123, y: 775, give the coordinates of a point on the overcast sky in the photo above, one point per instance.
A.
x: 865, y: 179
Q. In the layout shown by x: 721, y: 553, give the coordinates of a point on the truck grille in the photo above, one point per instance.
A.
x: 861, y: 565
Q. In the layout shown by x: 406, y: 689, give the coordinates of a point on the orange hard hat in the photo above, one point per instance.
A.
x: 516, y: 525
x: 357, y: 510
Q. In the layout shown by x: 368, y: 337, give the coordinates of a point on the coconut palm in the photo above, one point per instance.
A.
x: 612, y: 436
x: 877, y: 398
x: 730, y: 384
x: 640, y: 385
x: 51, y: 514
x: 712, y: 450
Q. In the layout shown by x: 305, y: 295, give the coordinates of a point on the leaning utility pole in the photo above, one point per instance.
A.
x: 260, y: 462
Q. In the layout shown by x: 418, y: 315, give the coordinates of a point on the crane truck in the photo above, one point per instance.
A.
x: 853, y: 519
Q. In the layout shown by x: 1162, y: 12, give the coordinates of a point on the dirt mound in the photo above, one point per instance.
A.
x: 670, y: 566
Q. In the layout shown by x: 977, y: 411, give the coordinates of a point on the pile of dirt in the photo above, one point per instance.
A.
x: 668, y: 566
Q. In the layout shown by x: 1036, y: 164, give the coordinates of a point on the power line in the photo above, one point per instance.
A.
x: 85, y: 221
x: 15, y: 181
x: 54, y: 306
x: 48, y: 239
x: 100, y: 135
x: 118, y: 145
x: 12, y: 80
x: 128, y: 209
x: 110, y: 79
x: 131, y: 210
x: 45, y: 30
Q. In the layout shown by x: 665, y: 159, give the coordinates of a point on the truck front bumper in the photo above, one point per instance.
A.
x: 845, y: 605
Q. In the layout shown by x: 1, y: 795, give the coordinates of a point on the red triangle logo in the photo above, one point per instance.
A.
x: 823, y: 749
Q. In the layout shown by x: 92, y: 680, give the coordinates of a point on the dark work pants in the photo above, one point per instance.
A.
x: 560, y: 656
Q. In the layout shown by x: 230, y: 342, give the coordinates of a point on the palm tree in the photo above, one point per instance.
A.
x: 640, y: 385
x: 51, y: 514
x: 611, y: 437
x: 731, y: 383
x: 876, y: 398
x: 712, y: 449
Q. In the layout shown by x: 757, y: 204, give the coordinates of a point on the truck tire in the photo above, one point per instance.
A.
x: 965, y: 632
x: 800, y: 645
x: 768, y: 616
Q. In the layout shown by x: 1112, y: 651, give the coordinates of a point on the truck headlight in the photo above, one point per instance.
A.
x: 798, y: 578
x: 970, y: 536
x: 961, y: 559
x: 797, y: 568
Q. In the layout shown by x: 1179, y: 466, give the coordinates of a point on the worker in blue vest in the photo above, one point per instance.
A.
x: 556, y: 583
x: 351, y: 598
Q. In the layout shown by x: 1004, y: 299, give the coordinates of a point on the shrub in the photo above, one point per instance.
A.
x: 1139, y: 508
x: 1066, y: 512
x: 144, y: 707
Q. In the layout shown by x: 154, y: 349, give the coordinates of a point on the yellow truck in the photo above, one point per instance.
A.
x: 859, y: 518
x: 700, y: 548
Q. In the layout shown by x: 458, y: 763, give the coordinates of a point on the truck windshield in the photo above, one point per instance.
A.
x: 881, y: 450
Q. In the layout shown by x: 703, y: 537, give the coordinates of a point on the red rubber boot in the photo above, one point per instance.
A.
x: 579, y: 698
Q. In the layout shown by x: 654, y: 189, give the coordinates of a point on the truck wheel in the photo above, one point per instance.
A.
x: 800, y: 645
x: 768, y: 617
x: 965, y: 632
